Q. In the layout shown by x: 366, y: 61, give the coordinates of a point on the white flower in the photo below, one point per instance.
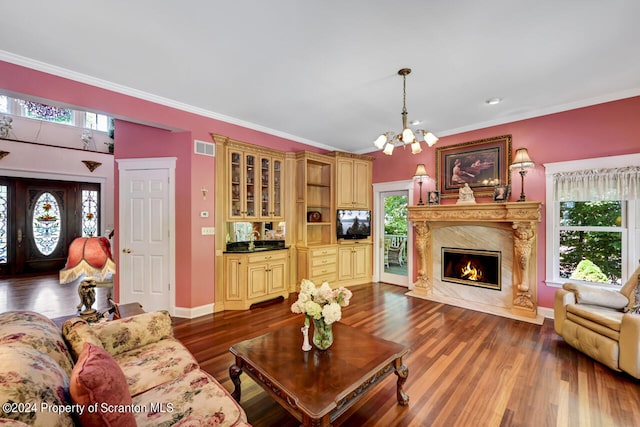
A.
x: 313, y: 309
x: 331, y: 313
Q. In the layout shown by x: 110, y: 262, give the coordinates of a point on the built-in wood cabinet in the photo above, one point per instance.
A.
x: 354, y: 263
x: 255, y: 277
x: 254, y: 182
x: 315, y: 212
x: 353, y: 181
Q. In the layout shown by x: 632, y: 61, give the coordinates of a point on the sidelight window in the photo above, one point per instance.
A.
x: 89, y: 213
x: 3, y: 223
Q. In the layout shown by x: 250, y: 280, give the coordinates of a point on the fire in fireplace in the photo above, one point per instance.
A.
x: 474, y: 267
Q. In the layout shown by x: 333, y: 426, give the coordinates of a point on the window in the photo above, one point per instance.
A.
x: 89, y: 213
x: 591, y: 237
x: 4, y: 212
x: 4, y: 104
x: 593, y: 220
x: 96, y: 121
x: 51, y: 113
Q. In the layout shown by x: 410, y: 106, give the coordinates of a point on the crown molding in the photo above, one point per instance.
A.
x: 146, y: 96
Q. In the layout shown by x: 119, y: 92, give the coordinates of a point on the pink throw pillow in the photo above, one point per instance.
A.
x: 99, y: 385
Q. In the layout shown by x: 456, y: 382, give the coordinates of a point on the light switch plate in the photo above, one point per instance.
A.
x: 208, y: 231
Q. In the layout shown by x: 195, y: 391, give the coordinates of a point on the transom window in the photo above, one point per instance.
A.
x: 51, y: 113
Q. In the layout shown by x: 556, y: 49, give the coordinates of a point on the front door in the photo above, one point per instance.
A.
x: 146, y: 216
x: 38, y: 221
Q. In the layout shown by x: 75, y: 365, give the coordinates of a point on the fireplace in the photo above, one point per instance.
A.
x: 472, y: 267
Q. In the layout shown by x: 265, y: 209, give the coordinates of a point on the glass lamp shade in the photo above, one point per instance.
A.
x: 521, y: 159
x: 388, y: 149
x: 90, y: 256
x: 382, y: 139
x: 407, y: 136
x: 415, y: 147
x: 430, y: 139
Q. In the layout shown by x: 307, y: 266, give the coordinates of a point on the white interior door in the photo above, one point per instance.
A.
x: 146, y: 235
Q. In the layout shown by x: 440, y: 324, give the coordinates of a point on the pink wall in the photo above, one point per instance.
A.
x: 602, y: 130
x: 140, y: 132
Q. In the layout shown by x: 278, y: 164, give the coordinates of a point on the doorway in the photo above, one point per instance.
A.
x: 39, y: 219
x: 146, y: 232
x: 393, y: 260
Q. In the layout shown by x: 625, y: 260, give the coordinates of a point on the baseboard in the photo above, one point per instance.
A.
x: 190, y: 313
x: 546, y: 312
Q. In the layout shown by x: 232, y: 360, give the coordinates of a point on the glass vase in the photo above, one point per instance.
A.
x: 322, y: 334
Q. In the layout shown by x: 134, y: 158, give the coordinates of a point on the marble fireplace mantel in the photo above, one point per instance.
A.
x: 521, y: 217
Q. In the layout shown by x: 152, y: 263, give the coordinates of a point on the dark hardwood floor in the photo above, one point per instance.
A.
x: 465, y: 367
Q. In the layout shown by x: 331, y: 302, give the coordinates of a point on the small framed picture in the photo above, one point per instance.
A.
x: 433, y: 197
x: 501, y: 193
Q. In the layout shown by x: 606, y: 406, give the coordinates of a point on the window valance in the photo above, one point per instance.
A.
x: 597, y: 184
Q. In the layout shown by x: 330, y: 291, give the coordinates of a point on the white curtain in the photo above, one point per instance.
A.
x: 597, y: 185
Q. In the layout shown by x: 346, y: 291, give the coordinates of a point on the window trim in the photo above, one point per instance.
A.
x: 631, y: 251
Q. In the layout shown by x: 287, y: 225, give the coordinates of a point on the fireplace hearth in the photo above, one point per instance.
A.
x: 472, y: 267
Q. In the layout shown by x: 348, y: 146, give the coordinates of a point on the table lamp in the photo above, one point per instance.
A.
x: 90, y: 257
x: 421, y: 173
x: 522, y: 161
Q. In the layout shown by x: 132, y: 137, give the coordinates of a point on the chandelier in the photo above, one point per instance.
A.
x: 388, y: 140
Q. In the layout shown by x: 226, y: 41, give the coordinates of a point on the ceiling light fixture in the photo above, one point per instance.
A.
x: 388, y: 140
x: 493, y: 101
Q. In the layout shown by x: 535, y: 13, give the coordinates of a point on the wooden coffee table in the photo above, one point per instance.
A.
x: 317, y: 386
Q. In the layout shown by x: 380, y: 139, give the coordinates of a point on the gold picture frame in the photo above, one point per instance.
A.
x: 483, y: 164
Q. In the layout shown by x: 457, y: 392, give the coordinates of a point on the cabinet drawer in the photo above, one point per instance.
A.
x: 323, y: 261
x: 320, y: 252
x: 331, y: 278
x: 268, y: 256
x: 324, y: 270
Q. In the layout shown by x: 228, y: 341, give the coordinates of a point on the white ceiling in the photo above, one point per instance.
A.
x: 325, y: 72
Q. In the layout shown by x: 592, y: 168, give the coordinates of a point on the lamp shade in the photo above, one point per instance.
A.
x: 90, y: 256
x: 522, y: 159
x: 421, y: 171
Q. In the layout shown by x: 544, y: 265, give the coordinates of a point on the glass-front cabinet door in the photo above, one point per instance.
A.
x: 236, y: 192
x: 277, y: 189
x: 271, y: 188
x: 250, y: 182
x: 242, y: 179
x: 265, y: 182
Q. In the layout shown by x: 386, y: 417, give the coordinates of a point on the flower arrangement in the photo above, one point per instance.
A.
x: 323, y: 305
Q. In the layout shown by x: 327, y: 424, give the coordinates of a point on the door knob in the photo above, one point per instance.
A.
x: 126, y: 251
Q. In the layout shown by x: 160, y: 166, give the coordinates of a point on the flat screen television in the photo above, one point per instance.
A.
x: 353, y: 223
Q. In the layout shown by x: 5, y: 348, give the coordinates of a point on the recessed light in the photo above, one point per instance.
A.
x: 493, y: 101
x: 415, y: 122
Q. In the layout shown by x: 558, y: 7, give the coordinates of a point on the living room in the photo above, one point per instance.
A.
x: 148, y: 128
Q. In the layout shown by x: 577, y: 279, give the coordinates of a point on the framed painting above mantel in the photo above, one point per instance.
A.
x: 483, y: 164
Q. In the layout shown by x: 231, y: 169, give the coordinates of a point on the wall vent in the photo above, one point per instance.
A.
x: 204, y: 148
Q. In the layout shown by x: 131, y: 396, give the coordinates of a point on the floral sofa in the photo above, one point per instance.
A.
x: 124, y: 372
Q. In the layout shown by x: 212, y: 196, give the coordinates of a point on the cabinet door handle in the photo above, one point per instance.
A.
x: 19, y: 236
